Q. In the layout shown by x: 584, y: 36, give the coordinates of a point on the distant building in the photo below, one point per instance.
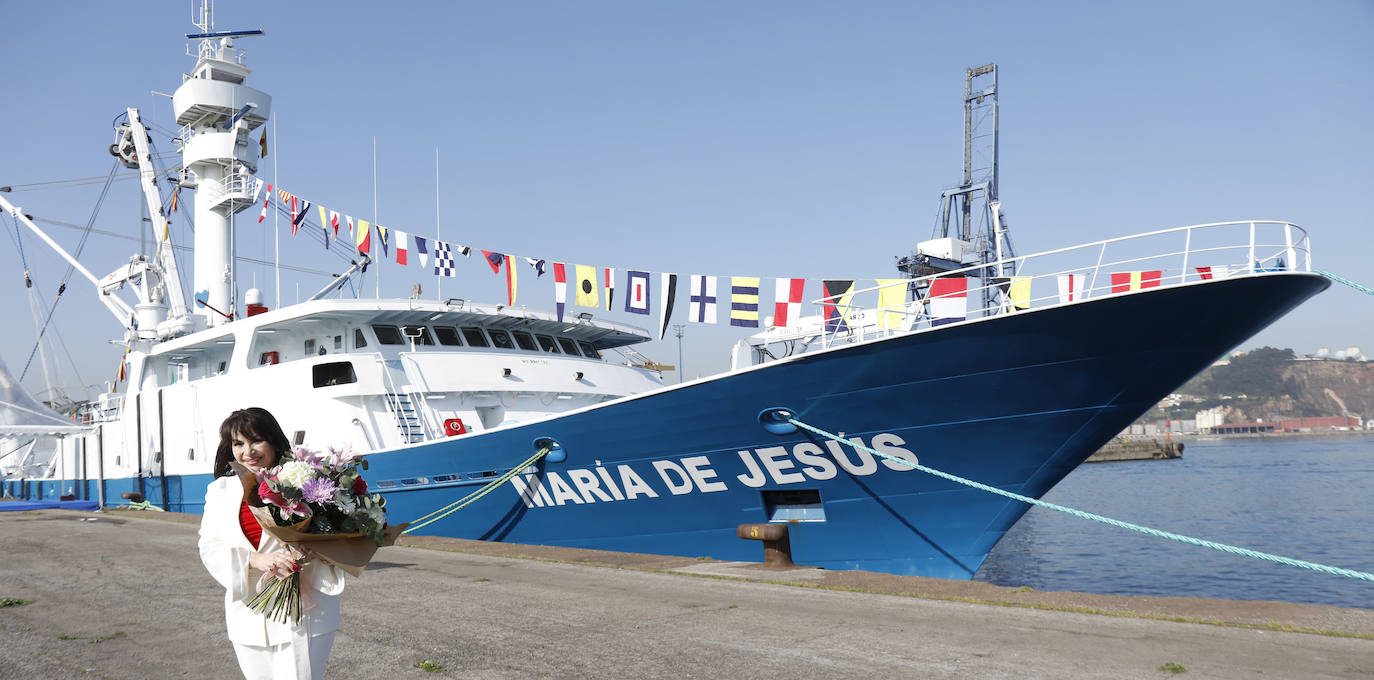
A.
x: 1212, y: 417
x: 1321, y: 423
x: 1244, y: 428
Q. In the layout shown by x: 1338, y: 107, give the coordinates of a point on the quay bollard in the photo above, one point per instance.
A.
x: 777, y: 550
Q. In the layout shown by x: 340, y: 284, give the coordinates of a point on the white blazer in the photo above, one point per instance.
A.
x: 224, y: 550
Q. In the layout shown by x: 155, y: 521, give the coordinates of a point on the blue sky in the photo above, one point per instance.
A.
x: 767, y: 138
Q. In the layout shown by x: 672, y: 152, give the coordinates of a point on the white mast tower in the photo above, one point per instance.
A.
x: 218, y: 113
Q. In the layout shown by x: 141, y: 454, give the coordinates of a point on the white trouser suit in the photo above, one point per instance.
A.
x: 266, y: 650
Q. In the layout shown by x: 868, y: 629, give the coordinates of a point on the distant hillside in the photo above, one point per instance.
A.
x: 1269, y: 382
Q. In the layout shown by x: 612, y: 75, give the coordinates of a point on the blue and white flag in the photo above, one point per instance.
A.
x: 637, y: 293
x: 422, y: 249
x: 703, y: 302
x: 443, y: 260
x: 537, y: 264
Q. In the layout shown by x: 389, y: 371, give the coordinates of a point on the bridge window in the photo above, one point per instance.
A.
x: 589, y: 351
x: 547, y: 344
x: 359, y: 340
x: 569, y: 347
x: 525, y: 340
x: 420, y: 334
x: 475, y: 338
x: 447, y: 335
x: 388, y: 335
x: 500, y: 339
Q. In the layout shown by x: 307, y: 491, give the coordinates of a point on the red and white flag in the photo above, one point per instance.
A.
x: 1124, y: 282
x: 1071, y: 287
x: 401, y: 246
x: 1214, y: 272
x: 560, y: 287
x: 948, y: 300
x: 787, y: 299
x: 262, y: 216
x: 334, y: 222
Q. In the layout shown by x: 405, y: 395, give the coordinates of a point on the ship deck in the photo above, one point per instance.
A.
x: 511, y: 611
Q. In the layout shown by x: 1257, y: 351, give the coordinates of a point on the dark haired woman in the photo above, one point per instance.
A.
x: 232, y: 542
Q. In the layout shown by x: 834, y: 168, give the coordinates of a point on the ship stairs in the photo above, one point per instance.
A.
x: 407, y: 419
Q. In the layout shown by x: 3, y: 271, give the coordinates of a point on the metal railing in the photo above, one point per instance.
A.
x: 1156, y: 259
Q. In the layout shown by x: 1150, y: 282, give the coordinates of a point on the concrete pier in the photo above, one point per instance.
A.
x: 122, y: 594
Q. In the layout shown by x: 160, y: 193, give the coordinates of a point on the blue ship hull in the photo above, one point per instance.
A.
x: 1014, y: 401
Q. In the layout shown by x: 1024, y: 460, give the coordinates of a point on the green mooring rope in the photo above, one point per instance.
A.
x: 1338, y: 571
x: 1346, y: 281
x: 472, y: 497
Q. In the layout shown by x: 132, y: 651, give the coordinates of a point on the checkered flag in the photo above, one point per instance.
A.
x: 443, y: 259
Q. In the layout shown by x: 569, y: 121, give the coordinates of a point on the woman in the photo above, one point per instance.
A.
x: 232, y: 542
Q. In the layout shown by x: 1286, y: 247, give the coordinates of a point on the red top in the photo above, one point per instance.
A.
x: 249, y: 523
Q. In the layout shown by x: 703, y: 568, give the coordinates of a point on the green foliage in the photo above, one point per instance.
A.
x: 14, y: 602
x: 428, y: 666
x: 1256, y: 374
x: 1171, y: 667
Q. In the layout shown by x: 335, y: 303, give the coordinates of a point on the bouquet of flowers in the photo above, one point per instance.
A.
x: 316, y: 504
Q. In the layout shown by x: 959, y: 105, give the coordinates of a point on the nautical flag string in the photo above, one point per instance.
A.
x: 364, y: 236
x: 610, y: 287
x: 263, y: 215
x: 701, y: 307
x: 891, y: 303
x: 1071, y: 287
x: 667, y: 294
x: 637, y: 292
x: 402, y: 246
x: 560, y: 287
x: 510, y: 280
x: 839, y: 294
x: 1123, y: 282
x: 422, y: 249
x: 463, y: 250
x: 494, y: 260
x: 787, y: 300
x: 744, y: 301
x: 443, y: 260
x: 586, y: 287
x: 334, y: 222
x: 382, y: 239
x: 537, y: 265
x: 948, y: 300
x: 324, y: 225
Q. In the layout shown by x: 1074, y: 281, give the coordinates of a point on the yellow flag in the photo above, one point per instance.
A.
x: 891, y: 303
x: 586, y: 287
x: 324, y: 223
x: 363, y: 237
x: 1020, y: 292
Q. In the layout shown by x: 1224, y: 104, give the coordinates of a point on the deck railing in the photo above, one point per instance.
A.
x: 1116, y: 266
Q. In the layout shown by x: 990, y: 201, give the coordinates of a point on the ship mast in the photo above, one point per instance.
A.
x: 970, y: 228
x: 218, y: 112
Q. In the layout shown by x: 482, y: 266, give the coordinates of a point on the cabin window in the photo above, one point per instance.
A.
x: 419, y: 334
x: 309, y: 346
x: 569, y: 347
x: 338, y: 343
x: 500, y: 339
x: 589, y: 351
x: 525, y: 340
x: 388, y: 335
x: 359, y: 340
x: 333, y: 373
x: 447, y: 335
x: 547, y: 344
x: 475, y: 338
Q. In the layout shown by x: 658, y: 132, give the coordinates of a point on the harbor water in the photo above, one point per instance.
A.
x: 1305, y: 497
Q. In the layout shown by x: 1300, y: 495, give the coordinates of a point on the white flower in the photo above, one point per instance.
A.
x: 296, y: 473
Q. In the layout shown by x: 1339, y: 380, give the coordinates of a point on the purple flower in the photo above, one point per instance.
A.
x: 319, y: 490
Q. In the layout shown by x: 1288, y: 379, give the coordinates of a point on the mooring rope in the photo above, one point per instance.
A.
x: 1338, y: 571
x: 472, y: 497
x: 1346, y: 281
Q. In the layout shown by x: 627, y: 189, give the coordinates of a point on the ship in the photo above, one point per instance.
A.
x: 1001, y: 368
